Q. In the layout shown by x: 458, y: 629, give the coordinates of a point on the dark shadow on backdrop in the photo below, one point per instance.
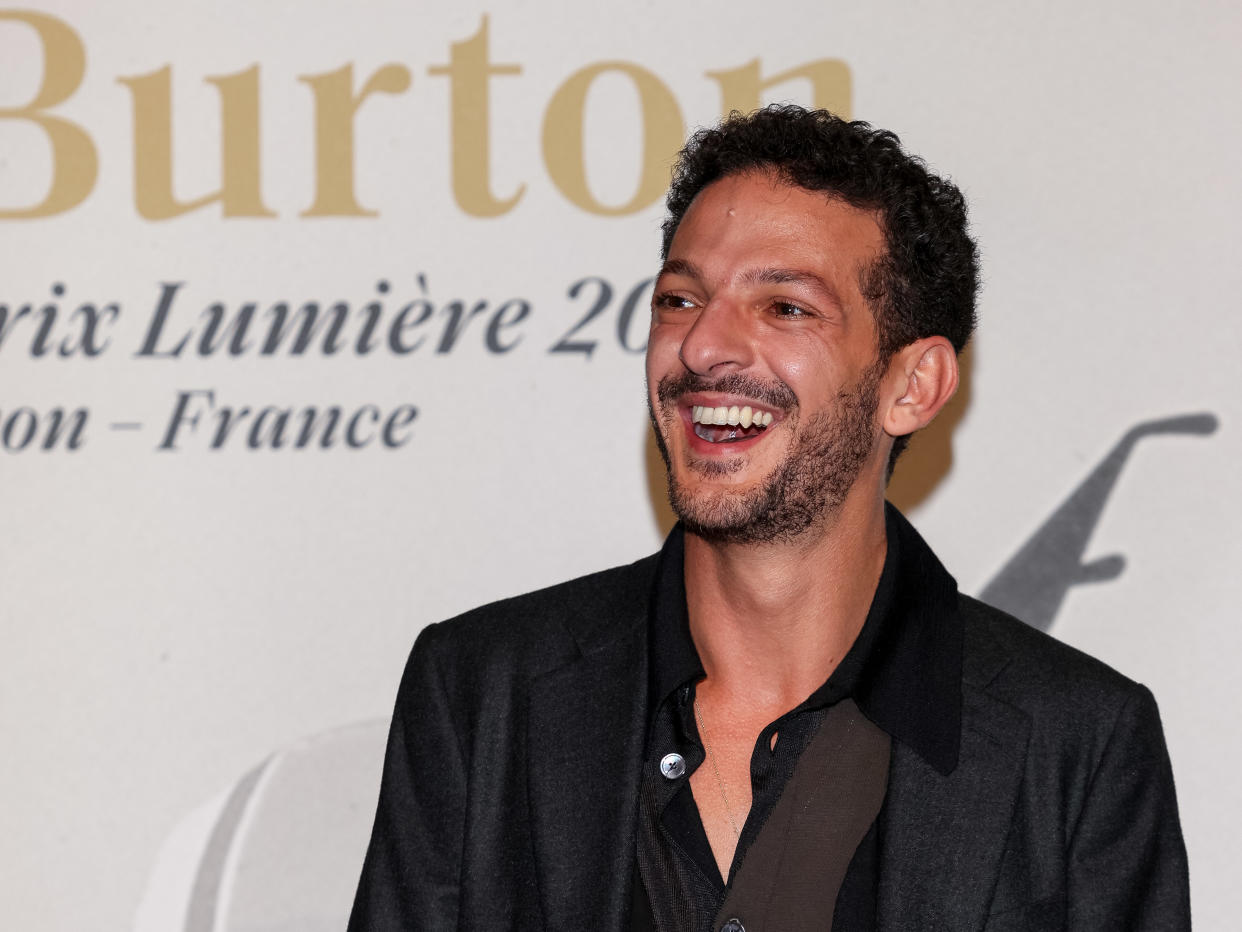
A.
x: 927, y: 459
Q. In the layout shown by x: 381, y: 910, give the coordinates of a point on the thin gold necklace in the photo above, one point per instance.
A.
x: 711, y: 756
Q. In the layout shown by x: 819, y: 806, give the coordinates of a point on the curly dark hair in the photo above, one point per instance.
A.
x: 926, y: 284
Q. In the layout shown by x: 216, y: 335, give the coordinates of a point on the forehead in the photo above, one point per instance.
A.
x: 756, y: 219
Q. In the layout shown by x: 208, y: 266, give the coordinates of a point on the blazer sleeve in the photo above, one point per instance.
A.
x: 411, y: 874
x: 1127, y: 861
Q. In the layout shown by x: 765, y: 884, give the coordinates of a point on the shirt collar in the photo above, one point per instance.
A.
x: 903, y: 670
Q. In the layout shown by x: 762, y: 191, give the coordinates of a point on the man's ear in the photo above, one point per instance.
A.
x: 923, y: 377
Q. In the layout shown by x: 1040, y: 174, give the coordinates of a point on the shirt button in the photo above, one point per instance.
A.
x: 674, y: 766
x: 733, y: 925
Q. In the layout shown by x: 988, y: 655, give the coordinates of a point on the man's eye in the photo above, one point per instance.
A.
x: 672, y: 302
x: 785, y: 309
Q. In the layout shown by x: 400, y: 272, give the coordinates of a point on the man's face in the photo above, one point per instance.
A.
x: 762, y: 373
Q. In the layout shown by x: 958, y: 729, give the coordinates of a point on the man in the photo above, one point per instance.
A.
x: 789, y: 718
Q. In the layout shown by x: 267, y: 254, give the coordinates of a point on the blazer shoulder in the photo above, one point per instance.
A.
x: 1097, y: 802
x: 538, y: 631
x: 1040, y: 674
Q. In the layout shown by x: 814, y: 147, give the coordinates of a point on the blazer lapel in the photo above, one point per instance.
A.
x: 944, y: 836
x: 587, y: 727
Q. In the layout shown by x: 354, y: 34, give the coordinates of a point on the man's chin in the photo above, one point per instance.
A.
x: 725, y: 516
x: 709, y: 468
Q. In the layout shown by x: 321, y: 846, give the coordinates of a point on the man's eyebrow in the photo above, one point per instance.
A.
x: 681, y: 267
x: 770, y: 276
x: 783, y: 277
x: 754, y: 277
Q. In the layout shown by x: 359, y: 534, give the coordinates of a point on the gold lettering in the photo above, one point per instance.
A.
x: 75, y: 165
x: 239, y: 192
x: 468, y: 72
x: 663, y: 131
x: 335, y: 108
x: 830, y: 85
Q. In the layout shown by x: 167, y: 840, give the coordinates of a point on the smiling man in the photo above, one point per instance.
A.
x: 788, y: 719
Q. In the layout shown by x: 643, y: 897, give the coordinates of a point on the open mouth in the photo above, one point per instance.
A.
x: 728, y: 424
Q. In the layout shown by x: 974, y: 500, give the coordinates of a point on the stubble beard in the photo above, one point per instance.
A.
x: 807, y: 488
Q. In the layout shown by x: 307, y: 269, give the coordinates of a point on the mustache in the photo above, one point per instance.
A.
x: 773, y: 394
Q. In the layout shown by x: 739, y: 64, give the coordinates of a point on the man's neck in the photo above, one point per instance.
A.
x: 771, y: 621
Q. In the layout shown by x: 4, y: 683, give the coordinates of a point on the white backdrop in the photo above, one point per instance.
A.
x: 202, y: 644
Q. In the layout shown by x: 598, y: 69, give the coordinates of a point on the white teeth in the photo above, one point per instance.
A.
x: 732, y: 415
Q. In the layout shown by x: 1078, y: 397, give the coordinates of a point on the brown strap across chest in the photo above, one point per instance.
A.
x: 793, y: 870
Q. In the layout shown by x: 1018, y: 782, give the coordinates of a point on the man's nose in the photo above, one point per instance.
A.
x: 719, y: 340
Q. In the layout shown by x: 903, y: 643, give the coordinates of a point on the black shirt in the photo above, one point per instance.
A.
x: 884, y: 672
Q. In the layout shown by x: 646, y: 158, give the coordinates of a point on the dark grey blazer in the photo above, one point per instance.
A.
x: 509, y: 795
